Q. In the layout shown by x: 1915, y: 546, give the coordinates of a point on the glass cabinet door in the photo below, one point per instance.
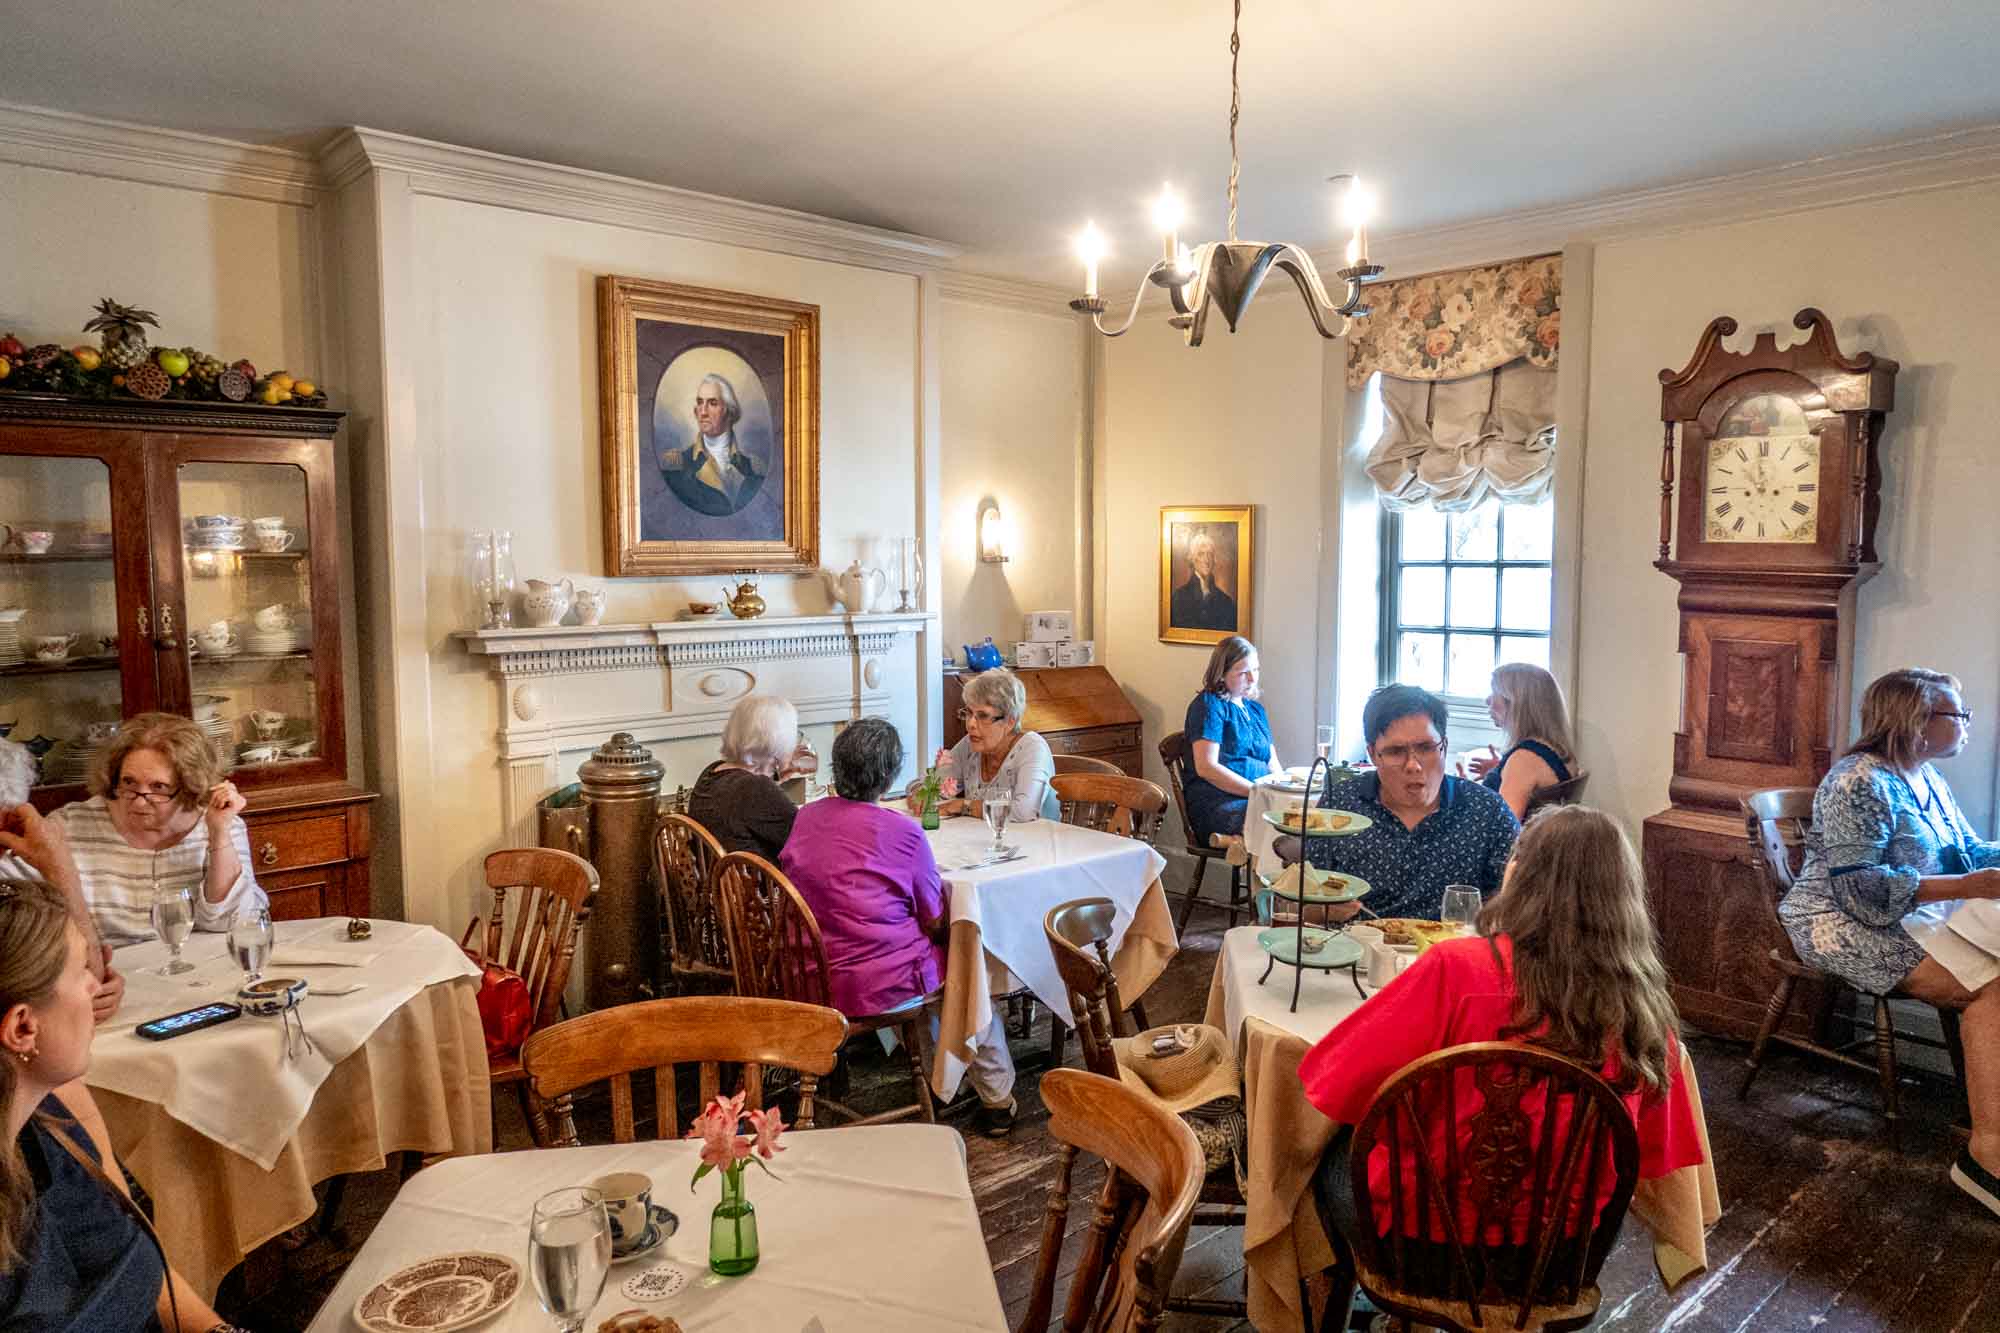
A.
x: 61, y: 691
x: 246, y: 551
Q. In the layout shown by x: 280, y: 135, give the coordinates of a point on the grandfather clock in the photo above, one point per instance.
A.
x: 1770, y: 533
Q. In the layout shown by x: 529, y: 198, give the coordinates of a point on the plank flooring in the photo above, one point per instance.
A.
x: 1825, y: 1228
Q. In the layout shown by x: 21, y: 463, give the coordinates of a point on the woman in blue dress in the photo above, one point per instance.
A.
x: 1889, y: 856
x: 1527, y: 705
x: 1229, y: 739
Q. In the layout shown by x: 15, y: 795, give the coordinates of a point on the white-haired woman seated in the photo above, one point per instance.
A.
x: 996, y: 760
x: 737, y: 798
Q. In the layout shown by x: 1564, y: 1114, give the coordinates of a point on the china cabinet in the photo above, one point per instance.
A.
x: 185, y: 557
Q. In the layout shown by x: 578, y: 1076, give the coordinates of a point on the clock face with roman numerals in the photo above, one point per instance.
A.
x: 1763, y: 475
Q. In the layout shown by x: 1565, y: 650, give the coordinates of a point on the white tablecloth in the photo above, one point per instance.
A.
x: 232, y: 1083
x: 1258, y: 835
x: 871, y: 1229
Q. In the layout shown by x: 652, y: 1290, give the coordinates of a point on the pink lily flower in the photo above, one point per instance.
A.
x: 949, y: 787
x: 769, y: 1125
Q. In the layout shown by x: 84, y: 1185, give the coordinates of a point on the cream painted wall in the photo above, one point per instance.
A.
x: 1237, y: 421
x: 1933, y: 603
x: 1013, y: 417
x: 507, y: 419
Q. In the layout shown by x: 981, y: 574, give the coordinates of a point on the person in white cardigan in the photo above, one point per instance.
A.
x: 996, y: 759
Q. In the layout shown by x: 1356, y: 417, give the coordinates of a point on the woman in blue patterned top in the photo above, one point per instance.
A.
x: 1526, y: 704
x: 1888, y: 857
x: 1229, y: 740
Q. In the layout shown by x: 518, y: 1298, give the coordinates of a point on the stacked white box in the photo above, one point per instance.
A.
x: 1047, y: 626
x: 1034, y: 654
x: 1076, y: 652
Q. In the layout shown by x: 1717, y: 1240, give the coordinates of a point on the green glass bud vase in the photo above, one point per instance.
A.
x: 931, y: 809
x: 732, y: 1228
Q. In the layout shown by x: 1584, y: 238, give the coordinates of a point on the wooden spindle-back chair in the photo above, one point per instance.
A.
x: 1083, y: 763
x: 1111, y: 803
x: 1178, y: 757
x: 1140, y: 1225
x: 610, y: 1045
x: 1566, y: 792
x: 777, y: 952
x: 684, y: 857
x: 551, y: 894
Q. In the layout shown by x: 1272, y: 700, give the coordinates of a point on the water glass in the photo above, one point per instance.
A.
x: 569, y: 1254
x: 250, y: 942
x: 173, y: 919
x: 997, y: 808
x: 1325, y: 742
x: 1461, y: 906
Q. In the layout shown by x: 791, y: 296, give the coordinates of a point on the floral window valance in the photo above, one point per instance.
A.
x: 1447, y: 326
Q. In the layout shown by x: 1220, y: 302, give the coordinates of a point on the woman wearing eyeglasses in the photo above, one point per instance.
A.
x: 160, y: 812
x: 997, y: 760
x: 1889, y: 857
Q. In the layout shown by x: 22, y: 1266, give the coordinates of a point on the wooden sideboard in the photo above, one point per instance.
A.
x: 309, y: 849
x: 1077, y: 710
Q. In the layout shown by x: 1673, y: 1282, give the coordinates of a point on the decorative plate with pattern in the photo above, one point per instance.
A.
x: 449, y: 1292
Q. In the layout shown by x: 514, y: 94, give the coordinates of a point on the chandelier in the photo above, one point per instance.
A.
x: 1227, y: 273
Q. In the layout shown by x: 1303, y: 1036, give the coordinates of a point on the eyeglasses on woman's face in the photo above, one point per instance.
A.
x: 1396, y: 756
x: 984, y: 715
x: 1962, y: 714
x: 152, y: 793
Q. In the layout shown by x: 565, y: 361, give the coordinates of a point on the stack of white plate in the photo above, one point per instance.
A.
x: 221, y: 733
x: 10, y: 636
x: 93, y: 543
x: 274, y: 643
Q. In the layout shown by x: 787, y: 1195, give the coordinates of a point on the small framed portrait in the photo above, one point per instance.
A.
x: 709, y: 416
x: 1206, y: 573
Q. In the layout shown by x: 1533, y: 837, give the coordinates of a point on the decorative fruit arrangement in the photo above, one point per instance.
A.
x: 124, y: 363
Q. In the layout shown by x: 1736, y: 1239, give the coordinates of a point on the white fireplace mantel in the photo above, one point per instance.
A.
x: 564, y: 690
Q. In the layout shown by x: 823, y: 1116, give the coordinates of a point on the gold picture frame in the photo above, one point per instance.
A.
x: 680, y: 498
x: 1198, y: 607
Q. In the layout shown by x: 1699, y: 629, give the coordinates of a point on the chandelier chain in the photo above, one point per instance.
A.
x: 1235, y: 108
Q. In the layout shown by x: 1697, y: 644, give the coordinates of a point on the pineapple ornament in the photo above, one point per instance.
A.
x: 121, y: 330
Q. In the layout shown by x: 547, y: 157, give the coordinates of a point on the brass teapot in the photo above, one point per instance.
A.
x: 745, y: 604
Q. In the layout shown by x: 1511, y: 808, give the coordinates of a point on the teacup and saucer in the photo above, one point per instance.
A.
x: 638, y: 1225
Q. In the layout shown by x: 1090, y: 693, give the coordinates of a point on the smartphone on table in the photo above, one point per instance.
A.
x: 189, y: 1020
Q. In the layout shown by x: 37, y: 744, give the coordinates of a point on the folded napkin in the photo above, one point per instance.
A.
x: 323, y: 955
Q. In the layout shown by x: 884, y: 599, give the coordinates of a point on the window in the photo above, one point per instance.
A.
x: 1462, y: 593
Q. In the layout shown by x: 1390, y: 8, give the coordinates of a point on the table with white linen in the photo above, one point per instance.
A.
x: 997, y: 942
x: 229, y: 1134
x: 1282, y: 1235
x: 869, y: 1229
x: 1269, y: 795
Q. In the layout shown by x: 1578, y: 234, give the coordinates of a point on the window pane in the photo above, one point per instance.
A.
x: 1471, y: 665
x: 1475, y: 534
x: 1528, y: 531
x: 1524, y: 599
x: 1421, y: 598
x: 1420, y: 661
x: 1423, y: 534
x: 1519, y: 648
x: 1472, y: 597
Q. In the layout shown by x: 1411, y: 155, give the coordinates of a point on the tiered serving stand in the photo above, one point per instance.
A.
x: 1301, y: 947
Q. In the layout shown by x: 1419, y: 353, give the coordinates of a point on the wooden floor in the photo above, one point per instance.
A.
x: 1824, y: 1228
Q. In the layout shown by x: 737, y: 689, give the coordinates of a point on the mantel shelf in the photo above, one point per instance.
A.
x: 566, y: 649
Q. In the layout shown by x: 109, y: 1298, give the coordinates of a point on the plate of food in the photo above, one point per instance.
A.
x: 449, y: 1292
x: 1318, y: 886
x: 1410, y: 931
x: 1318, y: 821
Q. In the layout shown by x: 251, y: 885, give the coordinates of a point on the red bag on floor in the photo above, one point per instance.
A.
x: 506, y: 1011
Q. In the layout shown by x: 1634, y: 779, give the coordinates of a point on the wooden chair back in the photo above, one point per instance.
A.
x: 1569, y: 792
x: 1495, y: 1089
x: 1111, y: 803
x: 554, y: 893
x: 1083, y: 763
x: 1176, y: 755
x: 1079, y: 936
x: 1776, y: 820
x: 775, y: 947
x: 1133, y: 1248
x: 684, y: 857
x: 610, y: 1045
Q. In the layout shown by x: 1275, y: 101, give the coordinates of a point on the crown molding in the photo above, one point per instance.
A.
x: 115, y: 150
x: 1936, y: 162
x: 475, y: 176
x: 1033, y: 298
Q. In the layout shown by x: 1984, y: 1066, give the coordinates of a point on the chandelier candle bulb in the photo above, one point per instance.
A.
x: 1090, y: 249
x: 1167, y: 217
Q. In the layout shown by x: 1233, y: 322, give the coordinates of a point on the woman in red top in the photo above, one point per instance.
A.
x: 1566, y: 960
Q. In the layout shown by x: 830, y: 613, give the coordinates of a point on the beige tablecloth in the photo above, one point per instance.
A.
x: 997, y: 944
x: 1282, y: 1236
x: 869, y: 1229
x: 416, y: 1082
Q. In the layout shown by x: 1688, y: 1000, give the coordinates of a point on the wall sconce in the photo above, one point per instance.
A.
x: 992, y: 535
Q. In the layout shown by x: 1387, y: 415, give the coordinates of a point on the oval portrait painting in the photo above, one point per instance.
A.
x: 718, y: 461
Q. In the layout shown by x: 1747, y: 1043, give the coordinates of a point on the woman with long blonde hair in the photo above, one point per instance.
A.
x: 75, y: 1253
x: 1565, y: 959
x: 1527, y: 705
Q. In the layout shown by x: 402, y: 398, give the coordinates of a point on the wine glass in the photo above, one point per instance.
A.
x: 250, y: 942
x: 996, y: 809
x: 569, y: 1254
x: 173, y: 919
x: 1461, y: 907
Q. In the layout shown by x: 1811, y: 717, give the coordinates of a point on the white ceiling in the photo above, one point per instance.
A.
x: 1002, y: 126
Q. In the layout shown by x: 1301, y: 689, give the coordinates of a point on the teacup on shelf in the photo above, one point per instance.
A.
x: 52, y: 647
x: 258, y: 754
x: 275, y: 618
x: 272, y: 523
x: 274, y: 542
x: 34, y: 541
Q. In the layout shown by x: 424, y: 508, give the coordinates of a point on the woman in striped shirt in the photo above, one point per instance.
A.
x: 160, y: 813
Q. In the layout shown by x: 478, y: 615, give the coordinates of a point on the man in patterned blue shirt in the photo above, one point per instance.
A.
x: 1429, y: 829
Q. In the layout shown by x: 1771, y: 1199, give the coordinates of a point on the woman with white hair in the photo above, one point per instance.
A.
x: 997, y: 760
x: 737, y: 798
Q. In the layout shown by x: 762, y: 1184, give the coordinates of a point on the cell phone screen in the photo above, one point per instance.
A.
x: 190, y: 1020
